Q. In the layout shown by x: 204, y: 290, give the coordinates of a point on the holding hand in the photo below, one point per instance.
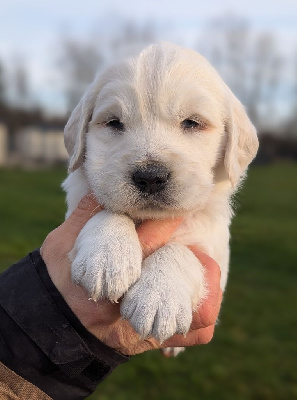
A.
x: 103, y: 318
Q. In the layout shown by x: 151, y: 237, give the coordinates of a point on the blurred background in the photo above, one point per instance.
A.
x: 49, y: 52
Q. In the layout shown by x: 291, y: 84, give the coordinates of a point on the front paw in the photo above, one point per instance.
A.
x: 171, y: 286
x: 106, y: 259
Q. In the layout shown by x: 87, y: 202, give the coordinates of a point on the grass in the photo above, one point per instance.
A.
x: 253, y: 354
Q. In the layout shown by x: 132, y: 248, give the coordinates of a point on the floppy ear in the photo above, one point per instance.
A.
x: 76, y: 128
x: 242, y: 142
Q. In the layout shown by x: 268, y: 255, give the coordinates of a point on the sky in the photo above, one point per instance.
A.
x: 30, y: 29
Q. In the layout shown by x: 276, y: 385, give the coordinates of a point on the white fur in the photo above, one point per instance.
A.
x: 152, y: 94
x: 170, y: 287
x: 104, y: 272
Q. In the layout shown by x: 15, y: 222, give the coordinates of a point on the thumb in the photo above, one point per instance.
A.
x: 86, y: 209
x: 154, y: 234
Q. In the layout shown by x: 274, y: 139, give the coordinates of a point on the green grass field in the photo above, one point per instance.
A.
x: 253, y: 354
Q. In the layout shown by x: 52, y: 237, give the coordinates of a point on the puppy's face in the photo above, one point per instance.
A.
x: 157, y: 134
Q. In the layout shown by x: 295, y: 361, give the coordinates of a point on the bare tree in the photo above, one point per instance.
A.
x: 2, y: 85
x: 249, y: 62
x: 226, y: 45
x: 265, y: 75
x: 20, y: 82
x: 79, y: 63
x: 132, y: 38
x: 292, y: 123
x: 80, y: 60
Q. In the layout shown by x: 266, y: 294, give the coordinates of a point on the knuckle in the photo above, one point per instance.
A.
x: 206, y: 339
x: 49, y: 242
x: 208, y: 317
x: 50, y: 238
x: 52, y: 244
x: 206, y: 336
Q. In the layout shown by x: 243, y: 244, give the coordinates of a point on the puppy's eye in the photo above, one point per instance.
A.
x: 190, y: 124
x: 116, y: 125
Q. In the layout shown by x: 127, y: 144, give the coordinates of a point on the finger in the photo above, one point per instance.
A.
x: 193, y: 338
x: 207, y: 313
x: 154, y: 234
x: 86, y: 209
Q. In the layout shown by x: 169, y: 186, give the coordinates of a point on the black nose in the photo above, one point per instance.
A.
x: 151, y: 178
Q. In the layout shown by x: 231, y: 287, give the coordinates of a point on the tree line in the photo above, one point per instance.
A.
x: 251, y: 63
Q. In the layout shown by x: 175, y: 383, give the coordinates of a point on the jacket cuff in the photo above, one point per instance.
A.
x: 51, y: 324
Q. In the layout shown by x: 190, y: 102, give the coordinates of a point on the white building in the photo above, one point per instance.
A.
x: 33, y: 146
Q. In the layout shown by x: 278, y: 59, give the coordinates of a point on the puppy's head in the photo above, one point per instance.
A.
x: 153, y: 132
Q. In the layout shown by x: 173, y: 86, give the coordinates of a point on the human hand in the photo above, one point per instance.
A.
x: 103, y: 318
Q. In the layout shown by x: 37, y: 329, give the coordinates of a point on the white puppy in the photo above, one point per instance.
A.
x: 156, y: 136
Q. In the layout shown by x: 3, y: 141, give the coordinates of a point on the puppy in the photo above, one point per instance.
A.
x: 158, y: 135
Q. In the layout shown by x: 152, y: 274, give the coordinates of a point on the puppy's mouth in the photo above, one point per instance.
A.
x: 152, y: 202
x: 156, y: 205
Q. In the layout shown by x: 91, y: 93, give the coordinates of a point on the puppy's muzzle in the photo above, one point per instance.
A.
x: 151, y: 178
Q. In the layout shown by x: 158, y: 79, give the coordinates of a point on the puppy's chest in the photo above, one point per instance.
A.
x: 210, y: 234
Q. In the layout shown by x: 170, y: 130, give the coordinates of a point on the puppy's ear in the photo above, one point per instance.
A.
x: 242, y: 142
x: 76, y: 128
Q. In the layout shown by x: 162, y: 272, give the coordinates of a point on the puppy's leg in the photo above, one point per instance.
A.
x: 171, y: 286
x: 107, y: 256
x: 172, y: 351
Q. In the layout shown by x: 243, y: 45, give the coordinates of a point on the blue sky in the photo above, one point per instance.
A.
x: 31, y: 28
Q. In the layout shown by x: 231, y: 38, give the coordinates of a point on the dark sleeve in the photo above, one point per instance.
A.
x: 42, y: 340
